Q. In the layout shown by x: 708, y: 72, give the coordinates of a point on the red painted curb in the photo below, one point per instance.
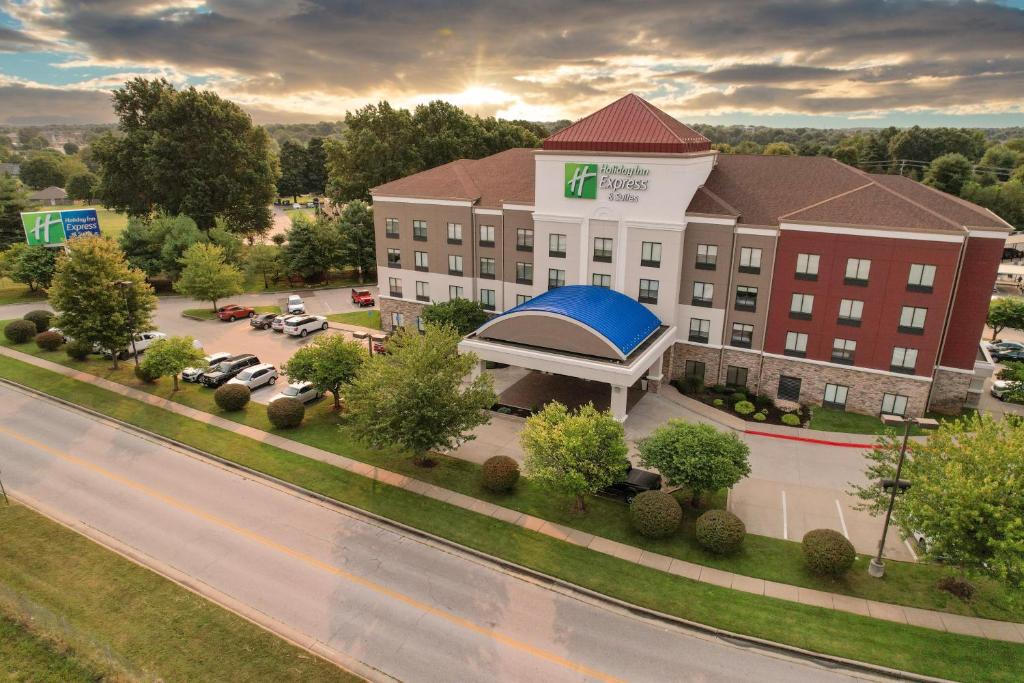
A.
x: 805, y: 439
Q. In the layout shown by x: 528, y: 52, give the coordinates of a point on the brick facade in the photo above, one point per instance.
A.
x: 696, y: 352
x: 410, y: 310
x: 740, y: 359
x: 950, y: 392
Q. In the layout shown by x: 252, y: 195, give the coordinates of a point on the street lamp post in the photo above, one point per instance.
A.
x: 876, y: 567
x: 368, y: 337
x: 124, y: 285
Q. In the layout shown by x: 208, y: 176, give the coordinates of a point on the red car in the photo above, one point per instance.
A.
x: 362, y: 297
x: 233, y: 312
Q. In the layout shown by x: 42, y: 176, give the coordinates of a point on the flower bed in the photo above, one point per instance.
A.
x: 728, y: 399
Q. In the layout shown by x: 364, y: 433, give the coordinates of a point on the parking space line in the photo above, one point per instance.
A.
x: 785, y: 521
x: 839, y: 509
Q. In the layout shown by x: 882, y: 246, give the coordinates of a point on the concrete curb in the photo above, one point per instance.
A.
x: 540, y: 578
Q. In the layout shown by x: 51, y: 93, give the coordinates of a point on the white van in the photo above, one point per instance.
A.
x: 295, y: 304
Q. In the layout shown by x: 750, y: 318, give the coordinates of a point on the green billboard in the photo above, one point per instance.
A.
x: 54, y: 228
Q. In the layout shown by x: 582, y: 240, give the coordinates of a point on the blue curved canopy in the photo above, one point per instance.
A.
x: 620, y: 319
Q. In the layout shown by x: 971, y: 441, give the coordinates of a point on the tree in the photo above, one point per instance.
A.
x: 444, y: 132
x: 32, y: 266
x: 157, y: 245
x: 205, y: 275
x: 316, y: 167
x: 997, y: 164
x: 1005, y: 312
x: 779, y: 149
x: 416, y: 396
x: 186, y: 152
x: 330, y: 363
x: 172, y: 355
x: 696, y: 456
x: 1013, y: 374
x: 949, y: 172
x: 965, y: 496
x: 264, y: 260
x: 357, y: 246
x: 848, y: 154
x: 463, y: 315
x: 42, y: 171
x: 313, y: 247
x: 90, y: 309
x: 82, y: 186
x: 1006, y: 200
x: 294, y: 166
x: 578, y: 453
x: 70, y: 148
x: 13, y: 200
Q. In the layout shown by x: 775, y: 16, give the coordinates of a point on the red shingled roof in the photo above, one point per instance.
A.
x: 629, y: 124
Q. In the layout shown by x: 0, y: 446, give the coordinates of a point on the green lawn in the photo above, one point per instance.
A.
x: 126, y: 621
x: 28, y: 656
x: 829, y: 420
x: 210, y: 314
x: 12, y: 292
x: 906, y: 647
x: 369, y: 318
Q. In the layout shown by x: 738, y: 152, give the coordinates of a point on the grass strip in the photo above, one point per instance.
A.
x: 369, y: 318
x: 839, y: 633
x: 28, y: 656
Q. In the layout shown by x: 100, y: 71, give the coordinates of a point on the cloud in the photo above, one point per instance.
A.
x: 24, y: 105
x: 12, y: 40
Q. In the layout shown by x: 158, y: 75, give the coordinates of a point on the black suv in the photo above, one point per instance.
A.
x: 635, y: 482
x: 261, y: 321
x: 224, y: 371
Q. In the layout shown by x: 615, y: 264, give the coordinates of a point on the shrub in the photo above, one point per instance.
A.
x: 760, y: 417
x: 499, y: 473
x: 791, y: 419
x: 763, y: 401
x: 232, y: 397
x: 827, y: 552
x: 49, y: 341
x: 718, y: 403
x: 20, y: 331
x: 655, y: 514
x: 146, y: 374
x: 285, y: 413
x: 737, y: 397
x: 958, y: 587
x: 744, y: 407
x: 78, y: 349
x: 720, y: 531
x: 719, y: 389
x: 692, y: 385
x: 41, y: 319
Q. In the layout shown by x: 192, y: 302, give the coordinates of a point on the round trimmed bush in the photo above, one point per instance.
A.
x: 718, y: 403
x: 655, y: 514
x: 78, y: 349
x: 146, y: 374
x: 737, y: 397
x: 827, y: 552
x: 791, y: 419
x: 744, y: 407
x: 285, y: 413
x: 49, y: 341
x: 760, y: 417
x: 720, y: 531
x: 41, y: 319
x: 499, y: 473
x: 20, y: 331
x: 232, y: 397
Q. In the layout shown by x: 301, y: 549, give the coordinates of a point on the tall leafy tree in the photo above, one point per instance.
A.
x: 357, y: 244
x: 444, y: 132
x: 462, y: 315
x: 312, y: 247
x: 264, y: 261
x: 949, y: 172
x: 294, y: 167
x: 696, y: 456
x: 316, y: 167
x: 497, y: 135
x: 1005, y: 312
x: 82, y: 186
x: 206, y: 276
x: 330, y: 363
x: 32, y: 266
x: 13, y: 200
x: 42, y: 171
x: 70, y: 148
x: 90, y: 306
x: 779, y: 149
x: 172, y: 355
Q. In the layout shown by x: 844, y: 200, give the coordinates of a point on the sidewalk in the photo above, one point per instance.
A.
x: 940, y: 621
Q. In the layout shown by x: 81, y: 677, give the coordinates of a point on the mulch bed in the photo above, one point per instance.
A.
x: 774, y: 415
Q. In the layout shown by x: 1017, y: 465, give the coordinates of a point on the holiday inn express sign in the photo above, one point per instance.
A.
x: 618, y: 181
x: 54, y: 228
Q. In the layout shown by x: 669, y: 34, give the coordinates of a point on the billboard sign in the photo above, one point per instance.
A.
x: 54, y: 228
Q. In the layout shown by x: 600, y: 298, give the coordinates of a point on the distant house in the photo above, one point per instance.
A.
x: 50, y: 196
x: 13, y: 170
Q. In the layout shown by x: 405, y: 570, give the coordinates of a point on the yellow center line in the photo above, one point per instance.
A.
x: 313, y: 562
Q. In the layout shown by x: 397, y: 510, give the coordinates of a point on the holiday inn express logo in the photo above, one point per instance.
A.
x: 581, y: 181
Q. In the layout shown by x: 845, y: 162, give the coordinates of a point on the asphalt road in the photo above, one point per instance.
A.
x: 406, y: 608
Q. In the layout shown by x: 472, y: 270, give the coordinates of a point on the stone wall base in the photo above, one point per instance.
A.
x: 950, y: 395
x: 410, y: 310
x: 739, y: 359
x: 682, y: 352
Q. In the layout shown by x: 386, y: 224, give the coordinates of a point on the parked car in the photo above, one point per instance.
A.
x: 232, y: 312
x: 1000, y: 389
x: 225, y: 370
x: 295, y: 304
x: 142, y: 342
x: 301, y: 325
x: 304, y: 391
x: 256, y: 376
x: 192, y: 374
x: 262, y: 321
x: 277, y: 324
x: 1002, y: 355
x: 362, y: 297
x: 635, y: 482
x: 1001, y: 345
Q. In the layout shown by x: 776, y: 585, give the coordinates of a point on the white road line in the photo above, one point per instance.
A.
x: 785, y: 521
x: 839, y: 509
x: 910, y: 547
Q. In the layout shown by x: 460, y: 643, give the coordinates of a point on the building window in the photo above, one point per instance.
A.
x: 707, y: 256
x: 750, y: 260
x: 742, y: 335
x: 703, y: 292
x: 700, y: 330
x: 422, y: 263
x: 486, y: 235
x: 522, y: 299
x: 835, y: 396
x: 796, y: 344
x: 487, y: 267
x: 396, y: 320
x: 420, y: 325
x: 394, y: 258
x: 391, y: 227
x: 912, y: 320
x: 556, y: 245
x: 419, y: 231
x: 454, y: 264
x: 694, y: 368
x: 735, y: 376
x: 487, y: 299
x: 601, y: 280
x: 650, y: 254
x: 746, y: 298
x: 843, y: 350
x: 524, y: 239
x: 455, y: 292
x: 857, y: 270
x: 850, y: 312
x: 800, y: 306
x: 556, y: 278
x: 648, y: 291
x: 524, y: 273
x: 603, y: 249
x: 921, y: 279
x: 455, y: 233
x: 903, y: 360
x: 807, y: 266
x: 395, y: 287
x: 894, y: 404
x: 789, y: 388
x: 422, y: 291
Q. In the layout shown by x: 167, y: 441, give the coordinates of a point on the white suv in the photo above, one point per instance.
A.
x: 256, y: 376
x: 295, y: 304
x: 142, y: 342
x: 192, y: 374
x: 304, y: 391
x: 300, y: 326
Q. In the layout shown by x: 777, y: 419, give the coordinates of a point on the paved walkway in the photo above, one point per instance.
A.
x: 940, y: 621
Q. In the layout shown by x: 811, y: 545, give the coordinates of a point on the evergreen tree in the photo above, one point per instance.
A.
x: 13, y: 200
x: 357, y: 247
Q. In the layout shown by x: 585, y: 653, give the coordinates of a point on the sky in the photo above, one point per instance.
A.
x: 820, y: 63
